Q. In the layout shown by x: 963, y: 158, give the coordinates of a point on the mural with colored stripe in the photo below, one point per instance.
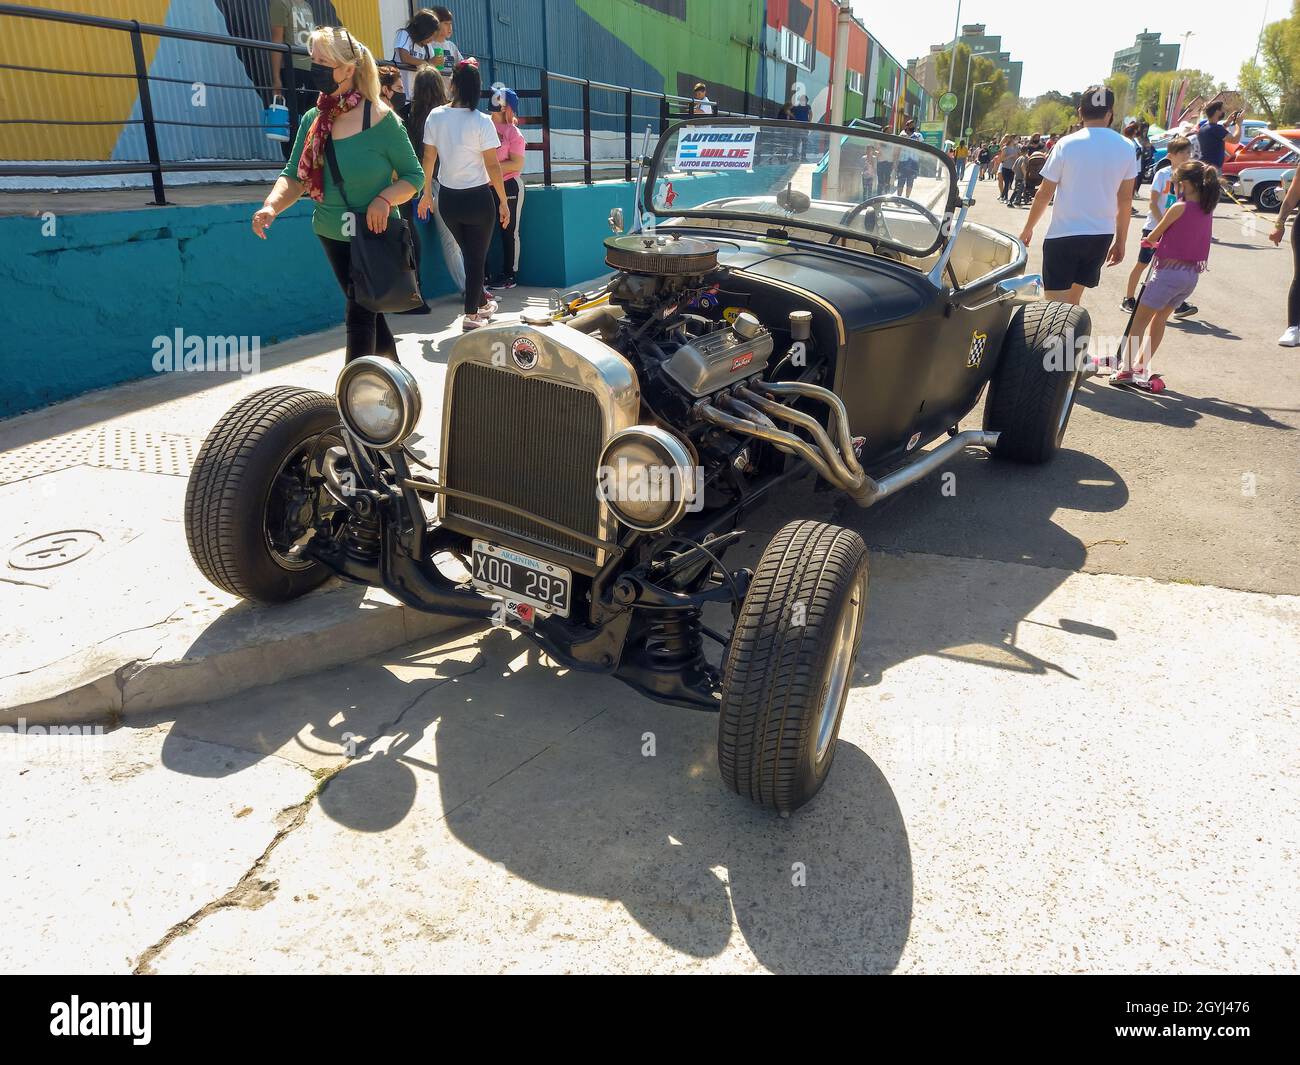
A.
x: 754, y: 55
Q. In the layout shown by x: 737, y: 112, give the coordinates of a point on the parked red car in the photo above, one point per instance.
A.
x: 1259, y: 151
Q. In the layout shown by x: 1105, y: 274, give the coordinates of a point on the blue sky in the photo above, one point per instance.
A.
x: 1068, y: 45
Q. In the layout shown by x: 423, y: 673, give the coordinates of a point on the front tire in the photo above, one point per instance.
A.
x: 1268, y: 197
x: 247, y: 487
x: 1037, y: 378
x: 789, y: 667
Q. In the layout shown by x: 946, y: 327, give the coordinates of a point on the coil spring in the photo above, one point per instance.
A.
x: 361, y: 539
x: 673, y: 638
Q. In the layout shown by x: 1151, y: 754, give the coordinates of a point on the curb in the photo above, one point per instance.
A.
x: 214, y: 655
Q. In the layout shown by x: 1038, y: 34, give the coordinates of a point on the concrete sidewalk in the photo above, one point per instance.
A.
x: 109, y: 615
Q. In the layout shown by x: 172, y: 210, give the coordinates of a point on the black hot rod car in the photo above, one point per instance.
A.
x: 766, y: 317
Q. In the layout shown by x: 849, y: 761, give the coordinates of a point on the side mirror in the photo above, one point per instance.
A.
x: 616, y: 220
x: 1027, y: 288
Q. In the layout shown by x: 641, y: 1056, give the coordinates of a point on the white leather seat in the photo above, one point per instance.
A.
x: 977, y: 251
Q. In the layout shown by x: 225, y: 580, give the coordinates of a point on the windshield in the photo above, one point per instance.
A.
x: 761, y: 174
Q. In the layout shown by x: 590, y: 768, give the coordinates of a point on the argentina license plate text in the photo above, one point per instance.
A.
x: 514, y: 575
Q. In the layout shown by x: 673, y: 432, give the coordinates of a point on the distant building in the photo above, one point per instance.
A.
x: 926, y: 69
x: 1146, y: 55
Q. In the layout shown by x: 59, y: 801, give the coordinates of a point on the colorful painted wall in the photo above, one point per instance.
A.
x: 735, y: 46
x: 191, y: 125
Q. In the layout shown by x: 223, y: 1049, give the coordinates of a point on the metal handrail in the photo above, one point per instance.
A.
x: 156, y: 166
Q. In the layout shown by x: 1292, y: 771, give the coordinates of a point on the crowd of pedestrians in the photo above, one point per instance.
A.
x: 1088, y: 181
x: 465, y: 167
x: 386, y: 135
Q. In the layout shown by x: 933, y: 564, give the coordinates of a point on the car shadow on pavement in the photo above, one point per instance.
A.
x: 545, y: 772
x: 927, y: 598
x: 1170, y: 408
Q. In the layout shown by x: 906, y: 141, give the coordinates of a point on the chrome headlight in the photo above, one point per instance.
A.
x: 378, y: 400
x: 646, y: 477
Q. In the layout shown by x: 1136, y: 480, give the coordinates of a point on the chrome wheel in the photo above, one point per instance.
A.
x: 1068, y: 405
x: 845, y: 650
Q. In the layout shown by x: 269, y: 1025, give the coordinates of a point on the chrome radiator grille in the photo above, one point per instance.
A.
x: 528, y: 442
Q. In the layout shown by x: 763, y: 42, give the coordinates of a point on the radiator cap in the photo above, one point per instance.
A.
x: 535, y: 316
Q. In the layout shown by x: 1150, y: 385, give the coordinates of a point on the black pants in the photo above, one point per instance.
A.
x: 510, y: 233
x: 471, y: 216
x: 368, y: 333
x: 1293, y: 300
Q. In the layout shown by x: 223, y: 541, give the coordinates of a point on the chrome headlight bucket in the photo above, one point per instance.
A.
x: 378, y: 400
x: 647, y: 477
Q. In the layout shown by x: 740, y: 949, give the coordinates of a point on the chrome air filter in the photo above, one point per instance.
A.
x: 646, y: 253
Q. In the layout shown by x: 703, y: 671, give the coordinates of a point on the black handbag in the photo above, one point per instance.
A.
x: 383, y: 273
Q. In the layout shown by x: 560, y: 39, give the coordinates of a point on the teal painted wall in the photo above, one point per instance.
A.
x: 84, y: 304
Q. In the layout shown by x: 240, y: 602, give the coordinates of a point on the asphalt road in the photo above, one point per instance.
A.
x: 1070, y: 746
x: 1197, y: 484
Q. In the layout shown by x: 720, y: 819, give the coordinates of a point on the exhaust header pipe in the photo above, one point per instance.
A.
x: 752, y: 412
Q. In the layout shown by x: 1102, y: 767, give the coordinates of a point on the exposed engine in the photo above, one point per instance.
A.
x: 711, y: 378
x: 683, y: 355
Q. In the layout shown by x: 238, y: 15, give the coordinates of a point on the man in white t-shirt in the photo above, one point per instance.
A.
x: 1091, y: 174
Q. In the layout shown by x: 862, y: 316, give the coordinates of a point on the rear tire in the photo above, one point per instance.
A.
x: 1036, y: 380
x: 790, y: 664
x: 230, y: 490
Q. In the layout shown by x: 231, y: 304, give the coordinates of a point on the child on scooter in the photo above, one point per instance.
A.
x: 1179, y: 151
x: 1182, y: 248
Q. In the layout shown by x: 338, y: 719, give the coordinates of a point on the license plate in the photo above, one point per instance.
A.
x: 515, y: 576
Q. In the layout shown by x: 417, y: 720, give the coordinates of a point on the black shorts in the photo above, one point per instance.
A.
x: 1145, y: 255
x: 1070, y: 261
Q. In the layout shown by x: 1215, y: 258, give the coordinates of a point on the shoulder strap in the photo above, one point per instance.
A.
x: 333, y: 161
x: 337, y: 174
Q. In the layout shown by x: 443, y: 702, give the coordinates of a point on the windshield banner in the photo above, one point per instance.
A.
x: 716, y: 148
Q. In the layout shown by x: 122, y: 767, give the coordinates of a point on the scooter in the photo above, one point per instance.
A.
x: 1154, y: 382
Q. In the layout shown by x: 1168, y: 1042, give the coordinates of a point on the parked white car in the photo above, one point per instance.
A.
x: 1266, y: 185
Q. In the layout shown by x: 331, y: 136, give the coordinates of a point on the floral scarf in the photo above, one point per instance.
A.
x: 311, y: 164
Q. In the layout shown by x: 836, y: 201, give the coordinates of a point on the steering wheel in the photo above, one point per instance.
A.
x: 877, y: 218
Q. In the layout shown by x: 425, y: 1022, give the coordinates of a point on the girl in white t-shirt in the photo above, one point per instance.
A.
x: 461, y: 142
x: 413, y: 44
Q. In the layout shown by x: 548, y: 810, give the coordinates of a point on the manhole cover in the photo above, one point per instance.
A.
x: 54, y: 549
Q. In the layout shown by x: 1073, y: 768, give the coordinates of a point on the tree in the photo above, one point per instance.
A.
x: 981, y: 100
x: 1002, y: 116
x: 1121, y: 86
x: 1048, y: 116
x: 1272, y: 82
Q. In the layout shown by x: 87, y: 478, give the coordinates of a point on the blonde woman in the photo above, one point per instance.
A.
x: 370, y: 145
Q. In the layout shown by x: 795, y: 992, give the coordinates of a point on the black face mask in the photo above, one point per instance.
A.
x: 323, y: 78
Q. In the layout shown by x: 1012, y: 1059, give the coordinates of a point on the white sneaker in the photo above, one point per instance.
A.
x: 1291, y: 338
